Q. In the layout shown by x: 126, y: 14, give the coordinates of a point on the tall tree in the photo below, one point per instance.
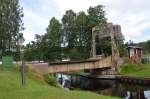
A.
x: 82, y: 34
x: 53, y: 39
x: 96, y: 17
x: 10, y: 25
x: 53, y: 32
x: 71, y: 39
x: 69, y: 28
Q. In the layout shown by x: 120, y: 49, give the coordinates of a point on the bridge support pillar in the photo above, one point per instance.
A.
x: 93, y: 45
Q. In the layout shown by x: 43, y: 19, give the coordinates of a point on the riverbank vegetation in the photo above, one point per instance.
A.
x: 36, y: 88
x: 136, y: 70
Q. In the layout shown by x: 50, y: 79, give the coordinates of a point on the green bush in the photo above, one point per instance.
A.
x: 50, y: 80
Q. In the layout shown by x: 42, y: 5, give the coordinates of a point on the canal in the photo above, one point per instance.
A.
x: 105, y: 87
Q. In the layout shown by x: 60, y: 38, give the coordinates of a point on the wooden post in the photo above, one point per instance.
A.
x: 23, y: 70
x: 61, y: 78
x: 23, y: 79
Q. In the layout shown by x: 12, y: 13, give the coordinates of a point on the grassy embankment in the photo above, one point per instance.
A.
x: 10, y: 88
x: 136, y: 70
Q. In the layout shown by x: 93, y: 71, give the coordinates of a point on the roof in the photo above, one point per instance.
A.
x: 134, y: 47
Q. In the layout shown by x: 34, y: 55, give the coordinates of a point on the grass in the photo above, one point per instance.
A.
x: 136, y: 70
x: 10, y: 88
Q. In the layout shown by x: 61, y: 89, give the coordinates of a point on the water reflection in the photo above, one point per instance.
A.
x: 105, y: 87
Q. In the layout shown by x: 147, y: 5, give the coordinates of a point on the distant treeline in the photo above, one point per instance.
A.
x: 144, y: 45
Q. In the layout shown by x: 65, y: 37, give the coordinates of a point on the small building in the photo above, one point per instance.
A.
x: 134, y: 54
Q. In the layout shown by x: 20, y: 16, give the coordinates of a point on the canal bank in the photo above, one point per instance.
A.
x: 36, y: 88
x: 132, y: 82
x: 103, y: 86
x: 135, y: 70
x: 127, y: 79
x: 130, y: 73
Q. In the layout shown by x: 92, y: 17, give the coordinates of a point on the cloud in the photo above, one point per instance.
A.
x: 76, y: 5
x: 132, y: 15
x: 34, y: 24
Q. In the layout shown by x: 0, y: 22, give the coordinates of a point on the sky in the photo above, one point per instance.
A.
x: 132, y: 15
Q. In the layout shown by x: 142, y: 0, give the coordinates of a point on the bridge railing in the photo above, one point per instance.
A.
x: 79, y: 65
x: 104, y: 62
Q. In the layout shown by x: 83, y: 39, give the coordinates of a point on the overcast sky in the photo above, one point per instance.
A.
x: 132, y: 15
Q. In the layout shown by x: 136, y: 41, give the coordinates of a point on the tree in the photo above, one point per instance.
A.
x: 82, y: 35
x: 53, y: 32
x: 77, y: 29
x: 69, y: 33
x: 39, y: 47
x: 53, y: 39
x: 71, y: 39
x: 10, y: 25
x: 96, y: 17
x: 46, y: 47
x: 121, y: 46
x: 29, y: 53
x: 145, y: 47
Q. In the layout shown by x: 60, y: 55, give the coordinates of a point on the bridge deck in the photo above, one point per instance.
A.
x: 68, y: 66
x: 72, y: 62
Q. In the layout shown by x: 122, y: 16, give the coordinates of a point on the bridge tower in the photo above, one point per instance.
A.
x: 110, y: 31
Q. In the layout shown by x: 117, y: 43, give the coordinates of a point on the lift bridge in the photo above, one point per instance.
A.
x: 110, y: 31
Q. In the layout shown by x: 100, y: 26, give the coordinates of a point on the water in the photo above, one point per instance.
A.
x: 105, y: 87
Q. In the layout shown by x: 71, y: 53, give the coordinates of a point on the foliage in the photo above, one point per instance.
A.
x: 103, y: 46
x: 96, y: 16
x: 46, y: 47
x: 51, y: 80
x: 74, y: 54
x: 10, y: 27
x: 71, y: 38
x: 144, y: 45
x: 121, y: 48
x: 29, y: 54
x: 69, y: 28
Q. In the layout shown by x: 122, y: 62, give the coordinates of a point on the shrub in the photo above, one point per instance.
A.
x: 50, y: 80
